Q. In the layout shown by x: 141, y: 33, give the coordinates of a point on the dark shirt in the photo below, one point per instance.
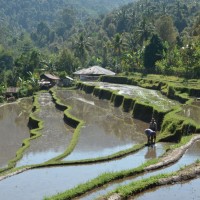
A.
x: 153, y: 126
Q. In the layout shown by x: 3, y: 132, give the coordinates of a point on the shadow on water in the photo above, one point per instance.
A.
x: 13, y: 123
x: 56, y: 135
x: 192, y: 154
x: 48, y: 181
x: 107, y: 129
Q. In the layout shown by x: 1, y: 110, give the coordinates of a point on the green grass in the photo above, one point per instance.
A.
x: 34, y: 133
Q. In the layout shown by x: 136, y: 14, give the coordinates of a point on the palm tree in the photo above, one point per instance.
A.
x: 121, y: 19
x: 144, y: 31
x: 118, y: 47
x: 82, y: 46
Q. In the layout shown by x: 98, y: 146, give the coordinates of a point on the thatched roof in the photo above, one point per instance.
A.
x: 95, y: 70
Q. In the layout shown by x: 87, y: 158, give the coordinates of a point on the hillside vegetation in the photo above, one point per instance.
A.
x: 146, y: 36
x: 27, y: 13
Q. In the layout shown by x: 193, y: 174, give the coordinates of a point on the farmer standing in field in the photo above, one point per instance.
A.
x: 153, y: 127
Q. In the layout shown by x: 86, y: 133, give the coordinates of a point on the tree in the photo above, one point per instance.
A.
x: 144, y: 31
x: 41, y: 37
x: 153, y: 52
x: 122, y: 20
x: 117, y: 46
x: 66, y: 62
x: 166, y: 29
x: 191, y: 60
x: 82, y: 46
x: 196, y: 27
x: 172, y: 63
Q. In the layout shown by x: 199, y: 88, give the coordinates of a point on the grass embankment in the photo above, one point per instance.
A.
x: 183, y: 174
x: 78, y: 124
x: 99, y: 181
x: 110, y: 177
x: 172, y: 126
x: 71, y: 121
x: 140, y: 110
x: 175, y: 88
x: 175, y: 126
x: 35, y: 125
x: 168, y: 125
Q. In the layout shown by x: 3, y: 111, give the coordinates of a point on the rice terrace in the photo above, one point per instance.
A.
x: 99, y: 99
x: 88, y: 141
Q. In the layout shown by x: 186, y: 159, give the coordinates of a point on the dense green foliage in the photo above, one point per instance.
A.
x: 148, y: 36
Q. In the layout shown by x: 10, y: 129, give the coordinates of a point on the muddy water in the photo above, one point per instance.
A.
x: 145, y: 95
x: 192, y: 154
x: 107, y: 130
x: 13, y: 123
x: 55, y: 138
x: 37, y: 183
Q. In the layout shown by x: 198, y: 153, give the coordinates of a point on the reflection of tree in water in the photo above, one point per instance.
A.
x: 25, y: 106
x: 53, y: 123
x: 113, y: 120
x: 9, y: 112
x: 122, y: 130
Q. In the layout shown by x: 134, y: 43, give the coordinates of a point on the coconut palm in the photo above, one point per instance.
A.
x: 82, y: 46
x: 144, y: 31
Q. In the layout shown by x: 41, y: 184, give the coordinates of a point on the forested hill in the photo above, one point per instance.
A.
x: 28, y: 13
x: 60, y: 36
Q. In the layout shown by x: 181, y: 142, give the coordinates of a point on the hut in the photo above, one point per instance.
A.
x: 92, y: 73
x: 11, y: 93
x: 48, y: 80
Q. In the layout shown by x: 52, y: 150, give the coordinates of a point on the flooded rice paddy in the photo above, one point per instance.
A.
x: 183, y: 191
x: 192, y: 154
x: 145, y: 95
x: 49, y: 181
x: 13, y: 122
x: 55, y: 138
x: 107, y: 129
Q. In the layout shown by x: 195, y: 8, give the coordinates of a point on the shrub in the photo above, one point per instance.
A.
x: 1, y: 99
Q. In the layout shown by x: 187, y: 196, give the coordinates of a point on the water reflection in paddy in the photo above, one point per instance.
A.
x: 192, y: 154
x: 184, y: 191
x: 145, y: 95
x: 37, y: 183
x: 189, y: 190
x: 107, y: 129
x: 55, y: 138
x: 13, y: 123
